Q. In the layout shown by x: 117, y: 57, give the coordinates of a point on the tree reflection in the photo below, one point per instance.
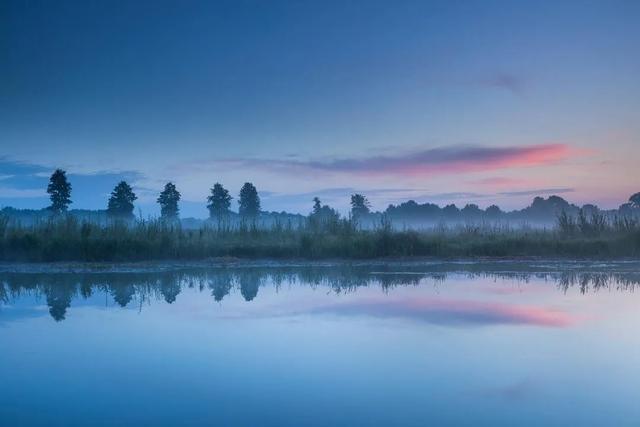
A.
x: 122, y: 293
x: 59, y: 295
x: 59, y: 290
x: 220, y: 285
x: 86, y: 289
x: 170, y: 287
x: 249, y: 281
x: 4, y: 294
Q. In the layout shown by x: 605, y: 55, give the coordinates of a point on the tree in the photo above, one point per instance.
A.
x: 168, y: 200
x: 59, y: 191
x: 635, y: 200
x: 493, y: 211
x: 121, y: 201
x: 450, y: 212
x: 249, y: 202
x: 359, y: 206
x: 317, y: 206
x: 471, y: 211
x: 323, y: 215
x: 219, y: 202
x: 625, y: 209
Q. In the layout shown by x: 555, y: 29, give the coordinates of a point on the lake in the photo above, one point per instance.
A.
x: 326, y: 344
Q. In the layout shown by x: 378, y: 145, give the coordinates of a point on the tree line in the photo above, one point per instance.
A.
x: 121, y: 205
x: 121, y: 201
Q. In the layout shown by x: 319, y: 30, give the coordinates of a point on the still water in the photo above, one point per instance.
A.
x: 323, y: 345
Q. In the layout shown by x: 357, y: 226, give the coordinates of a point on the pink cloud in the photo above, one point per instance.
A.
x: 436, y: 161
x: 500, y: 181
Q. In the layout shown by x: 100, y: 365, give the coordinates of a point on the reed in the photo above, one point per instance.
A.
x: 68, y: 239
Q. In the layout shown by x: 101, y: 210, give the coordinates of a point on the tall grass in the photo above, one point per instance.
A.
x: 68, y: 239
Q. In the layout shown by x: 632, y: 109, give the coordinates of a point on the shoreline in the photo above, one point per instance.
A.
x: 459, y: 264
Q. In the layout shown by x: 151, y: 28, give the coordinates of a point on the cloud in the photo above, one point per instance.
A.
x: 342, y: 192
x: 499, y: 181
x: 14, y: 167
x: 436, y: 161
x: 21, y: 312
x: 28, y: 193
x: 505, y: 81
x: 456, y: 195
x: 538, y: 192
x: 453, y: 312
x: 517, y: 391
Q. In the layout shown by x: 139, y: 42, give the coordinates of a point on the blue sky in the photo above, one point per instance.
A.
x: 485, y: 102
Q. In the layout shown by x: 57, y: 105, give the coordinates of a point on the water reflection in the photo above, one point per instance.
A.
x: 59, y: 290
x: 452, y: 312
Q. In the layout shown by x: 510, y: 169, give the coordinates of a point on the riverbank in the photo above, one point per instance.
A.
x: 154, y: 240
x: 379, y: 265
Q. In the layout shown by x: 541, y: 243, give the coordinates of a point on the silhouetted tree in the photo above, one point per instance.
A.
x: 249, y: 202
x: 549, y: 209
x: 168, y: 200
x: 413, y: 211
x: 359, y: 206
x: 626, y: 209
x: 219, y: 203
x: 590, y: 209
x: 121, y: 201
x: 59, y: 191
x: 635, y: 200
x: 471, y: 212
x: 317, y: 206
x: 493, y: 212
x: 323, y: 216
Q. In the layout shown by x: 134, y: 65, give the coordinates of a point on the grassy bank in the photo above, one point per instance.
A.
x: 67, y: 239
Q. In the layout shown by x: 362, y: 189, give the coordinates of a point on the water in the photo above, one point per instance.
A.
x: 367, y: 345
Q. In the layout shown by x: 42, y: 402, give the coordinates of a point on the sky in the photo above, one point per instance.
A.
x: 445, y: 102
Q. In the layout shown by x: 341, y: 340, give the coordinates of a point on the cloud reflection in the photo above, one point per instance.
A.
x: 452, y: 312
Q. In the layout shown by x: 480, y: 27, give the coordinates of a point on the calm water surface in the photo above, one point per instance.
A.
x: 365, y: 345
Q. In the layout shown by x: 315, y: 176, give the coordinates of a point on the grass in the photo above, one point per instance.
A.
x: 68, y: 239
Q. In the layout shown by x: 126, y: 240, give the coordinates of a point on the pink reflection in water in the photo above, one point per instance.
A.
x: 453, y: 312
